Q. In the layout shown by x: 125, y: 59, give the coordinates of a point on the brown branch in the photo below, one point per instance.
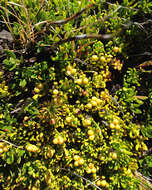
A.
x: 61, y: 22
x: 81, y: 37
x: 145, y: 64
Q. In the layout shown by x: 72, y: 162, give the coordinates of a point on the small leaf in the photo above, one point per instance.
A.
x: 44, y: 65
x: 147, y: 131
x: 21, y: 153
x: 23, y: 83
x: 10, y: 53
x: 19, y: 160
x: 149, y: 161
x: 141, y: 97
x: 10, y: 159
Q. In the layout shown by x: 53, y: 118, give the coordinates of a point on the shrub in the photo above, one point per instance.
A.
x: 61, y: 127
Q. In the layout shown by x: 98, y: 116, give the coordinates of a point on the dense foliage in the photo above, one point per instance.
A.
x: 75, y: 106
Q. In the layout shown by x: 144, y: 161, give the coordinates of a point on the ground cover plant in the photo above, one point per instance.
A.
x: 75, y: 102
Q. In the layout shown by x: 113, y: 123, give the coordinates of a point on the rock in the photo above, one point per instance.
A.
x: 1, y: 50
x: 5, y: 35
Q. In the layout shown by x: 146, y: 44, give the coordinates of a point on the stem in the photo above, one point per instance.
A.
x: 9, y: 143
x: 81, y: 37
x: 90, y: 183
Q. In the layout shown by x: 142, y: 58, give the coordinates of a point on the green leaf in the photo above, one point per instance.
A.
x: 17, y: 93
x: 10, y: 53
x: 44, y: 65
x: 19, y: 160
x: 21, y: 152
x: 149, y: 161
x: 137, y: 111
x: 23, y: 83
x: 10, y: 159
x: 147, y: 131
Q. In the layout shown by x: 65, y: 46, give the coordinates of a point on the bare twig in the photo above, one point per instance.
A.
x: 115, y: 101
x: 149, y: 21
x: 104, y: 18
x: 90, y: 183
x: 80, y: 61
x: 9, y: 143
x: 120, y: 5
x: 3, y: 22
x: 16, y: 110
x: 81, y: 37
x: 144, y: 181
x: 42, y: 5
x: 61, y: 22
x: 144, y: 54
x: 145, y: 153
